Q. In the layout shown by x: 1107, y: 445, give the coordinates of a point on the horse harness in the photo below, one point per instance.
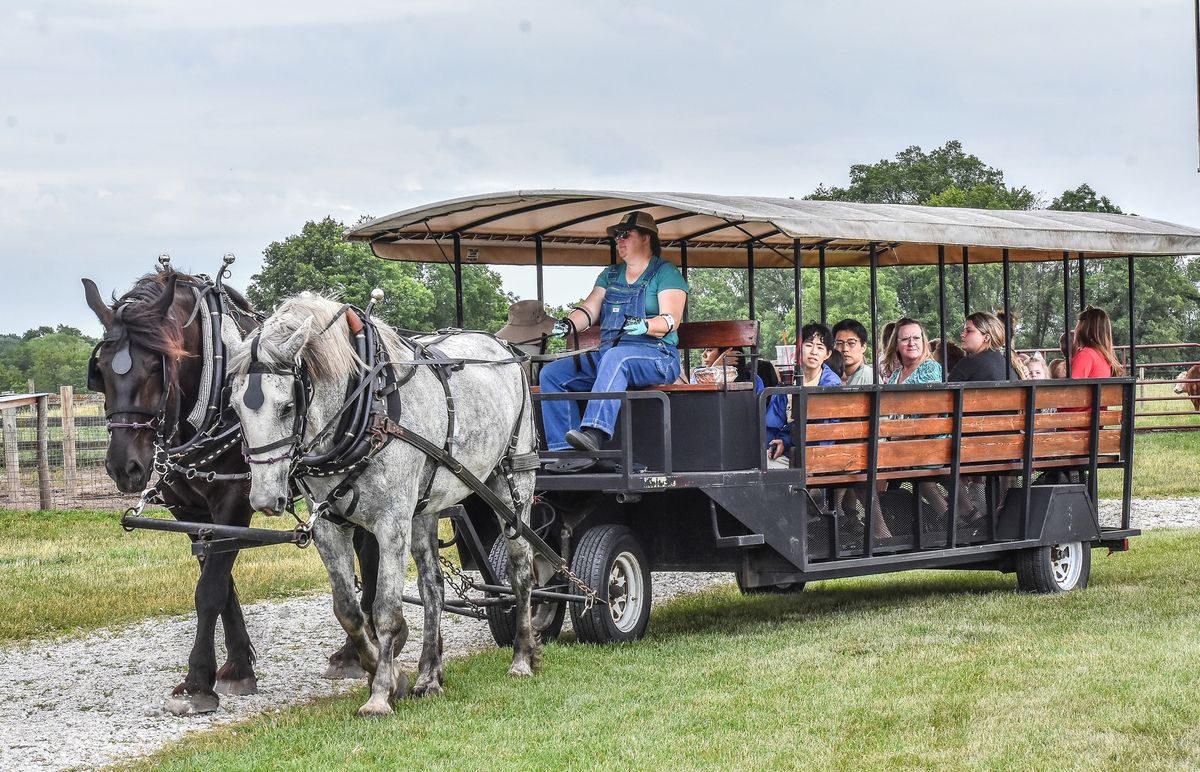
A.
x: 369, y: 418
x: 217, y: 429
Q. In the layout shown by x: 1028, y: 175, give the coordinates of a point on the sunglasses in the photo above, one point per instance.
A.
x: 622, y: 234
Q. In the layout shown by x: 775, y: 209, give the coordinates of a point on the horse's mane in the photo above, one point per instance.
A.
x: 328, y: 353
x: 135, y: 316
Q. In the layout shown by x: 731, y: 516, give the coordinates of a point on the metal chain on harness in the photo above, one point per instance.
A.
x: 458, y: 581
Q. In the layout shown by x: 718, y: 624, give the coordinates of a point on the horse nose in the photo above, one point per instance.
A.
x: 134, y: 469
x: 270, y: 506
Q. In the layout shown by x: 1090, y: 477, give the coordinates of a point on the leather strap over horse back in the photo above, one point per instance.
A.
x: 383, y: 427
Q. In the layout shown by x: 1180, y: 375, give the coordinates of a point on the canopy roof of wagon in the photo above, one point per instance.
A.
x: 503, y: 229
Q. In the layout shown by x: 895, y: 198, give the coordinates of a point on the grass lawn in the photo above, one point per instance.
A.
x: 1164, y: 466
x: 930, y: 669
x: 74, y: 571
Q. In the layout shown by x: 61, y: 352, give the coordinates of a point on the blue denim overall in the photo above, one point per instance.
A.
x: 624, y: 361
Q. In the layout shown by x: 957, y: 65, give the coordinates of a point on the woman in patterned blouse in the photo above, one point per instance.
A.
x: 910, y: 347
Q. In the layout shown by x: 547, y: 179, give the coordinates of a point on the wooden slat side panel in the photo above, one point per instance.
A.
x: 852, y: 457
x: 834, y: 405
x: 977, y: 400
x: 923, y: 427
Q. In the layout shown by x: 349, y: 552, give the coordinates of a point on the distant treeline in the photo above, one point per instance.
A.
x: 49, y: 356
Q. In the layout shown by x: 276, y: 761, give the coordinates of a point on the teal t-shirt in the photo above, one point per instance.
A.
x: 667, y: 278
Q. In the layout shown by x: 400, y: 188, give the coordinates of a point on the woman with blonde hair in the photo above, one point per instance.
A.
x: 983, y: 341
x: 1092, y: 354
x: 908, y: 349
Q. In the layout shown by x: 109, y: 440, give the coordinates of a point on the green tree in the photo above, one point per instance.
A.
x: 59, y: 359
x: 916, y: 177
x: 416, y: 296
x: 52, y: 357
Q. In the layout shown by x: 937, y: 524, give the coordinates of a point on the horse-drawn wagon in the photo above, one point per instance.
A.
x: 984, y: 475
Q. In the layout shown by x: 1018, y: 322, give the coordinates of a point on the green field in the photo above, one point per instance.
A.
x: 945, y: 670
x: 74, y: 571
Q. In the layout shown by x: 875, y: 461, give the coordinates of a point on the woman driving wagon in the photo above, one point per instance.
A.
x: 638, y: 304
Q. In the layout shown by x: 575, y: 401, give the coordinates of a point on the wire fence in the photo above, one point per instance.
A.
x: 54, y: 457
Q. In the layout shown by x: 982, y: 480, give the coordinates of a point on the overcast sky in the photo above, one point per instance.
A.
x: 134, y: 127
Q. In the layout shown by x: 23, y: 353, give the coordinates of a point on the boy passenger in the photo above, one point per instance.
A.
x: 850, y: 340
x: 812, y: 356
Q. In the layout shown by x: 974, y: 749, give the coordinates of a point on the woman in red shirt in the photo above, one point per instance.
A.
x: 1093, y: 355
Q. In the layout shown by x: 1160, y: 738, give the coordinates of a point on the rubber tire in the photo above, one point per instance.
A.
x: 783, y: 588
x: 1035, y: 569
x: 596, y: 556
x: 547, y: 617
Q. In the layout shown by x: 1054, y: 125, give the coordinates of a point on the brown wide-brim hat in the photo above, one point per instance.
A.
x: 640, y: 220
x: 527, y: 320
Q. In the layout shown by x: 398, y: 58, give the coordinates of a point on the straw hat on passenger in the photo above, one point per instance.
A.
x: 527, y: 322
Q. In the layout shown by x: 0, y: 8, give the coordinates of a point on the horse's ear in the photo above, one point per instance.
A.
x: 164, y: 303
x: 295, y: 344
x: 97, y: 304
x: 230, y: 336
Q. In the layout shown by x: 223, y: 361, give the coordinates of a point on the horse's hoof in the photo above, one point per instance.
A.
x: 337, y: 670
x: 520, y: 670
x: 239, y: 688
x: 191, y: 704
x: 375, y: 709
x: 428, y: 687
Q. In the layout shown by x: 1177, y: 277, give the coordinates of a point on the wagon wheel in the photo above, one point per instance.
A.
x: 1055, y: 567
x: 610, y: 560
x: 547, y: 615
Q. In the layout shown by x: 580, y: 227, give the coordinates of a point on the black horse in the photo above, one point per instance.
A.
x: 161, y: 381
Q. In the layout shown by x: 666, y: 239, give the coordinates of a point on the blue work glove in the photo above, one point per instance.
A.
x: 561, y: 328
x: 635, y: 325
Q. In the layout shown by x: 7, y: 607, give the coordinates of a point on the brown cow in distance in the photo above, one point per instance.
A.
x: 1190, y: 384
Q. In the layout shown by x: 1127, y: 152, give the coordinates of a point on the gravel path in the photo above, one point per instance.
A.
x: 89, y: 701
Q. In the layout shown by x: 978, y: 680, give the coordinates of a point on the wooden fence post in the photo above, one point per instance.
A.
x: 43, y: 451
x: 12, y: 455
x: 66, y: 397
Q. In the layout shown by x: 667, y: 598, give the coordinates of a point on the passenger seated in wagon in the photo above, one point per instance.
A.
x: 638, y: 304
x: 983, y: 341
x: 811, y: 356
x: 725, y: 365
x: 908, y: 349
x: 850, y: 340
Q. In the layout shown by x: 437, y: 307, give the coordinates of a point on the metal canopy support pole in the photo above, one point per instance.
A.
x: 1067, y: 307
x: 750, y: 277
x: 942, y: 307
x: 1132, y: 324
x: 537, y: 259
x: 821, y: 268
x: 458, y: 292
x: 683, y: 268
x: 797, y: 286
x: 1009, y: 326
x: 1082, y: 283
x: 1129, y: 404
x: 612, y: 251
x: 874, y: 310
x: 966, y: 283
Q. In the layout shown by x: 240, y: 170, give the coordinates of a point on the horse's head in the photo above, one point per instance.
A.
x: 268, y: 395
x: 135, y: 367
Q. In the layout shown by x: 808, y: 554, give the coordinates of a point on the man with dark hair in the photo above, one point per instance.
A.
x: 850, y: 340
